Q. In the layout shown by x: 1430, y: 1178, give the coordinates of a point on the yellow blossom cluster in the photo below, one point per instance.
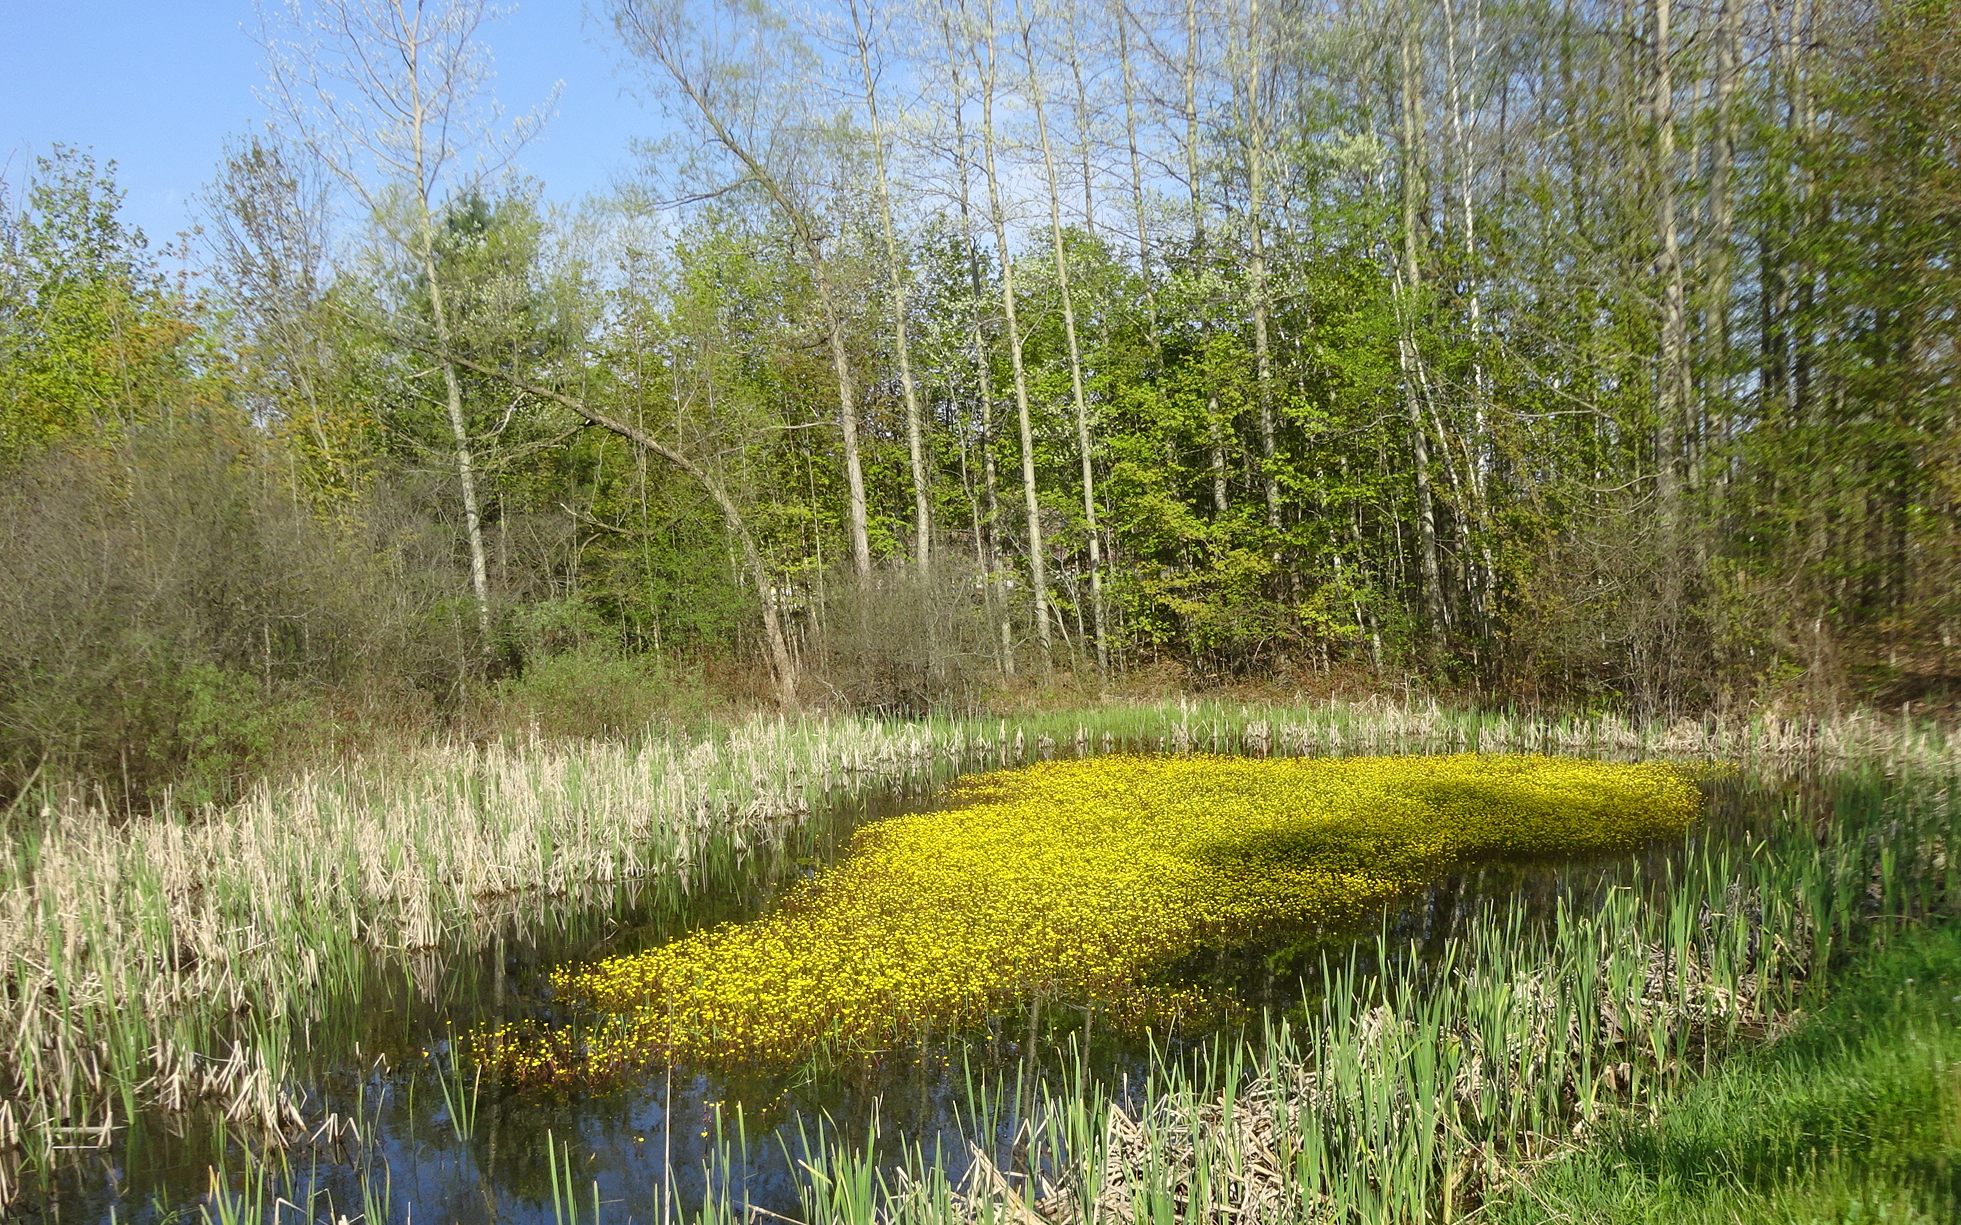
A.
x: 1076, y: 879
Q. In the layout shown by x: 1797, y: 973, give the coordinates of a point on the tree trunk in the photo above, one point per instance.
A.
x: 1188, y: 80
x: 987, y: 531
x: 1085, y: 137
x: 1719, y: 256
x: 1476, y: 445
x: 1077, y: 395
x: 854, y: 470
x: 1037, y: 564
x: 459, y: 428
x: 1409, y: 355
x: 895, y: 274
x: 1255, y: 105
x: 1136, y: 173
x: 1673, y: 392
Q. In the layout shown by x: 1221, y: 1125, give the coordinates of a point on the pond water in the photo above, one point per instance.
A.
x: 650, y: 1149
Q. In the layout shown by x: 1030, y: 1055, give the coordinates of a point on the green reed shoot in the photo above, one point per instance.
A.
x: 459, y: 1101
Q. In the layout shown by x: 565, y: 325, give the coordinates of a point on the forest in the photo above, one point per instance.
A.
x: 1592, y: 355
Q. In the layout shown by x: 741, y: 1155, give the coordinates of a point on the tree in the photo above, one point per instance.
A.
x: 864, y: 44
x: 267, y: 231
x: 738, y: 79
x: 91, y: 336
x: 1078, y: 399
x: 987, y: 36
x: 393, y: 98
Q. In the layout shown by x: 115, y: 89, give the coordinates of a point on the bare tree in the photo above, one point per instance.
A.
x: 1253, y: 61
x: 1409, y: 287
x: 988, y: 36
x: 268, y: 234
x: 739, y: 78
x: 393, y: 97
x: 863, y: 40
x: 986, y: 533
x: 1037, y: 97
x: 1189, y: 68
x: 1474, y: 441
x: 1121, y: 17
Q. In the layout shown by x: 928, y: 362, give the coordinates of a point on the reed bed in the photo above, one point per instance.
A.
x: 173, y: 961
x: 168, y: 961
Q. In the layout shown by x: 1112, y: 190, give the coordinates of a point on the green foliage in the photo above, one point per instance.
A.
x: 91, y: 337
x: 592, y: 692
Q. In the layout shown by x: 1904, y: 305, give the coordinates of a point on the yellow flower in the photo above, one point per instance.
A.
x: 1078, y: 879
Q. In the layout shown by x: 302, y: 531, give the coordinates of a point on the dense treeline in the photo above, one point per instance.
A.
x: 1564, y: 352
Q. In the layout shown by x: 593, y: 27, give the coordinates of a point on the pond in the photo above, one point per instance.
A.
x: 405, y: 1134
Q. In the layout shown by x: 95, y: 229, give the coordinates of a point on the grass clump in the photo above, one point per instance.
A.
x: 1077, y: 880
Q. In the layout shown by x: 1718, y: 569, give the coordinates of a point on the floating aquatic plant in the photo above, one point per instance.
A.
x: 1077, y: 880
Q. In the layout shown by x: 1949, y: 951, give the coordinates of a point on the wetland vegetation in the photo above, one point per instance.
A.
x: 1076, y: 881
x: 1437, y: 1053
x: 1056, y: 613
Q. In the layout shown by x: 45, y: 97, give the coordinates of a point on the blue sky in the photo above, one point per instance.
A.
x: 158, y: 86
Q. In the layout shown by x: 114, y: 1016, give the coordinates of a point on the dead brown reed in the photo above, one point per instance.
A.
x: 166, y: 961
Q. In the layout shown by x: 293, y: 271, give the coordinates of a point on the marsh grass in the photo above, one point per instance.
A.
x: 462, y: 1090
x: 172, y: 962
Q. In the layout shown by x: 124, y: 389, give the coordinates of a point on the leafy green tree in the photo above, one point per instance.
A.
x: 92, y: 337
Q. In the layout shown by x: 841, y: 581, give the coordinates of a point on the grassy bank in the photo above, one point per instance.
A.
x: 171, y: 962
x: 1854, y: 1116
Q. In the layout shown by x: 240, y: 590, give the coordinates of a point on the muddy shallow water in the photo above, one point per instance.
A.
x: 409, y: 1138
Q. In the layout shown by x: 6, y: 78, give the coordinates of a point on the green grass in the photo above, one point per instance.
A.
x: 1855, y: 1116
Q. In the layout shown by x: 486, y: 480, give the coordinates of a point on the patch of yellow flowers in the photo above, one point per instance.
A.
x: 1077, y: 880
